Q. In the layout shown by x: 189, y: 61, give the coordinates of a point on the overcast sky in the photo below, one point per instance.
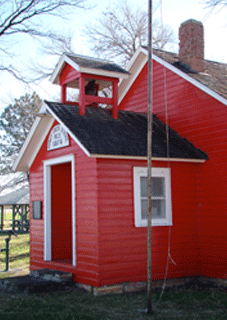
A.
x: 173, y: 13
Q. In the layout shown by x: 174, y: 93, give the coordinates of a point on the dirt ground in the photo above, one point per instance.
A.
x: 23, y: 271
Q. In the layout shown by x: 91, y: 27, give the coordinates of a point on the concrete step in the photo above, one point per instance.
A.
x: 52, y: 275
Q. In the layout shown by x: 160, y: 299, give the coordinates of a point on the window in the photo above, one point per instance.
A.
x: 36, y: 209
x: 161, y: 197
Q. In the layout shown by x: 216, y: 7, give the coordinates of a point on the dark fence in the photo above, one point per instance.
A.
x: 17, y: 220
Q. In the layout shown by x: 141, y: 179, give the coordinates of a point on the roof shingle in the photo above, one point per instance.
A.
x: 214, y: 75
x: 95, y: 63
x: 101, y: 134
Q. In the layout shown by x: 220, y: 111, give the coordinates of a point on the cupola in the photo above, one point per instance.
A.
x: 96, y: 81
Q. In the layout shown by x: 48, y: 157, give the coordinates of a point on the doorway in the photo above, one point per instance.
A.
x: 59, y: 206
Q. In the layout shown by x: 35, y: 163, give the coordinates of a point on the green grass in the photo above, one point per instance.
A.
x: 18, y: 255
x: 7, y: 219
x: 189, y: 304
x: 8, y: 215
x: 192, y: 303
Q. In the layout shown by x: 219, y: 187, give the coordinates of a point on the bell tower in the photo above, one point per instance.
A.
x: 96, y: 81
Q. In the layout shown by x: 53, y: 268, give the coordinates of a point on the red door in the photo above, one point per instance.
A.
x: 61, y: 211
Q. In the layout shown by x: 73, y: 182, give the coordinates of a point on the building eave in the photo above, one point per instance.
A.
x: 139, y: 60
x: 33, y: 142
x: 122, y: 157
x: 54, y: 78
x: 69, y: 132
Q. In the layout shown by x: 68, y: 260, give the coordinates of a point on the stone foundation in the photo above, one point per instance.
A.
x: 128, y: 287
x: 52, y: 275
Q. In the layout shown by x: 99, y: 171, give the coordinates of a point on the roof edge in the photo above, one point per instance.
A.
x: 54, y: 78
x: 121, y: 157
x: 30, y: 149
x: 68, y: 131
x: 126, y: 84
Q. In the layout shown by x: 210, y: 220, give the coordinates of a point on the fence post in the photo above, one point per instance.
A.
x: 2, y: 216
x: 7, y: 240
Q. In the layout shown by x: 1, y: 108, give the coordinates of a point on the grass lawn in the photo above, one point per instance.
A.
x: 187, y: 304
x: 192, y: 303
x: 18, y: 255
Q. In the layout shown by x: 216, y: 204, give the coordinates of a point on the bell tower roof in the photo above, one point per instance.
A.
x: 84, y: 64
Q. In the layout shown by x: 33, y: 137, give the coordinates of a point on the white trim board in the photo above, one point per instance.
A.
x: 106, y: 156
x: 138, y: 173
x: 33, y: 142
x: 54, y: 78
x: 39, y: 132
x: 47, y: 204
x: 138, y: 63
x: 69, y: 132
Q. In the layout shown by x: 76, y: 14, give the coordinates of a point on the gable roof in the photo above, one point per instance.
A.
x: 88, y: 65
x: 214, y: 85
x: 98, y: 134
x: 213, y: 80
x: 20, y: 196
x: 101, y: 134
x: 95, y: 63
x: 214, y: 75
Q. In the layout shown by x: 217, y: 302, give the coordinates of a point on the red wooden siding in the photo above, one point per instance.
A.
x: 68, y: 74
x: 201, y: 119
x: 123, y: 249
x: 136, y: 98
x: 86, y: 270
x: 109, y: 248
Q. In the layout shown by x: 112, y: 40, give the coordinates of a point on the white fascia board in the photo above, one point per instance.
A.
x: 33, y: 142
x: 134, y: 67
x: 98, y: 72
x: 196, y: 83
x: 106, y: 156
x: 69, y: 132
x: 103, y: 73
x: 138, y: 52
x: 137, y: 63
x: 54, y: 78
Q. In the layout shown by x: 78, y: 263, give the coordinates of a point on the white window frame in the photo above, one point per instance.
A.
x: 156, y: 172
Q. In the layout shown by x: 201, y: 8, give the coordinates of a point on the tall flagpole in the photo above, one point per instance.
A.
x: 149, y: 164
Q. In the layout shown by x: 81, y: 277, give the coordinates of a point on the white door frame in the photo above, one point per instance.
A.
x: 47, y: 204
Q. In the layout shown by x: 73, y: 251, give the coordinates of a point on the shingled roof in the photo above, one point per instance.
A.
x: 101, y: 134
x: 214, y: 75
x: 95, y: 63
x: 20, y: 196
x: 88, y: 65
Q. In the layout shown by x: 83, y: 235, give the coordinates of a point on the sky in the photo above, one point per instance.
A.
x: 172, y: 13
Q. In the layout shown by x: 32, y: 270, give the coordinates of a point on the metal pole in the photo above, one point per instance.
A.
x: 1, y: 216
x: 149, y: 164
x: 7, y: 240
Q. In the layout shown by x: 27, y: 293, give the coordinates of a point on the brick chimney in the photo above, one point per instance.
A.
x: 191, y: 45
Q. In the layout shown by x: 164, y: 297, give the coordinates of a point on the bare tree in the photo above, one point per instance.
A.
x: 215, y: 3
x: 26, y: 18
x: 118, y: 32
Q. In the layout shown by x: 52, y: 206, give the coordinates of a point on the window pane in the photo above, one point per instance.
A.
x: 158, y: 209
x: 143, y: 186
x: 144, y: 209
x: 158, y: 187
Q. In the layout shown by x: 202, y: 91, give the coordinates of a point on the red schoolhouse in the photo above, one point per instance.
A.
x: 87, y: 168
